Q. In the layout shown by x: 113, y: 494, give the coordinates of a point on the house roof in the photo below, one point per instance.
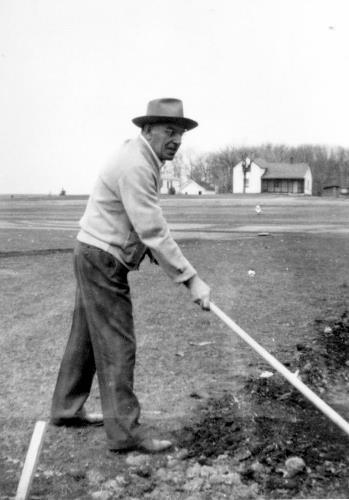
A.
x: 282, y: 170
x: 190, y: 182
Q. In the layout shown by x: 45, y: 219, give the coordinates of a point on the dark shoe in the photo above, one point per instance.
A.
x: 81, y: 420
x: 147, y: 445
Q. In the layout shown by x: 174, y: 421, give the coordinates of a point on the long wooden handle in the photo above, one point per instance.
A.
x: 31, y: 461
x: 291, y: 377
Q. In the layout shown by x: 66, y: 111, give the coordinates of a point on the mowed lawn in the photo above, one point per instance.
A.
x: 299, y: 276
x: 41, y: 223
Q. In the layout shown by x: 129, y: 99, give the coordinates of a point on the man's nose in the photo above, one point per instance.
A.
x: 177, y: 138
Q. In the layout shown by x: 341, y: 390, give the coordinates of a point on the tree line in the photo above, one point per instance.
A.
x: 329, y: 165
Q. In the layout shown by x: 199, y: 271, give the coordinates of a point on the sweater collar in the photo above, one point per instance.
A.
x: 159, y: 163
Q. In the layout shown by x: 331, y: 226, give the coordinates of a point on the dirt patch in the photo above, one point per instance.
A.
x: 270, y: 424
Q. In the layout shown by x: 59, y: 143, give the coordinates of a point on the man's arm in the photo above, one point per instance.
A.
x: 140, y: 199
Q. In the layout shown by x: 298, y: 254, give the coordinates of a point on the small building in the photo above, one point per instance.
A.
x: 192, y: 187
x: 332, y: 184
x: 260, y: 176
x: 331, y: 190
x: 173, y: 185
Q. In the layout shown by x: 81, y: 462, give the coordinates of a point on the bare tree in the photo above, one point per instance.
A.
x: 221, y: 164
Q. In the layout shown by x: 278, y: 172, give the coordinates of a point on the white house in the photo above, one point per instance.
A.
x: 259, y: 176
x: 247, y: 177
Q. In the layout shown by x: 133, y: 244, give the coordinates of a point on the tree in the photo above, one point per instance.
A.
x: 221, y: 164
x: 200, y: 171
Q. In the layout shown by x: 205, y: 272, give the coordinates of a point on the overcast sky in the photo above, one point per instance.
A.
x: 73, y: 73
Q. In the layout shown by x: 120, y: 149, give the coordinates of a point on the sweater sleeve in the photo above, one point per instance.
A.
x: 138, y: 193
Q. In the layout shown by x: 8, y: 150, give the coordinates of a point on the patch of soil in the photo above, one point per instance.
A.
x: 334, y: 340
x: 270, y: 421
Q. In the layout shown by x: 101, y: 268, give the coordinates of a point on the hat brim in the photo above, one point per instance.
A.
x: 185, y: 123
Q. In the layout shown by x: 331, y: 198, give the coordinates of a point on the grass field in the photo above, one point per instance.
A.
x: 298, y: 248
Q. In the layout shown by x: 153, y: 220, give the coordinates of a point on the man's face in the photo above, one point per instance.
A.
x: 164, y: 138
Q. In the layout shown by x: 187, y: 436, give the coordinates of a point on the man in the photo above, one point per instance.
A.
x: 122, y: 223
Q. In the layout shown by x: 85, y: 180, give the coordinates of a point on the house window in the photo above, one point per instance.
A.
x: 246, y: 182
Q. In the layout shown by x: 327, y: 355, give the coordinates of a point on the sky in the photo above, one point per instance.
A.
x: 73, y: 74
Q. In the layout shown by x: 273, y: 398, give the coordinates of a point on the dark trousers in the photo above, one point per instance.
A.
x: 101, y: 338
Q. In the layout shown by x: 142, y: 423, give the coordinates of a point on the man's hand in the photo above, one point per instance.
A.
x: 200, y: 291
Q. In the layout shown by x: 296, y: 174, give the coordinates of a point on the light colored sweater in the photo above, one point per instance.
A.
x: 123, y: 215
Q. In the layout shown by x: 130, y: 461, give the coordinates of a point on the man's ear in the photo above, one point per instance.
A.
x: 147, y: 130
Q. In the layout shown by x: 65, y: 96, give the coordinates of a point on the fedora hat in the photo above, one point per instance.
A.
x: 167, y: 110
